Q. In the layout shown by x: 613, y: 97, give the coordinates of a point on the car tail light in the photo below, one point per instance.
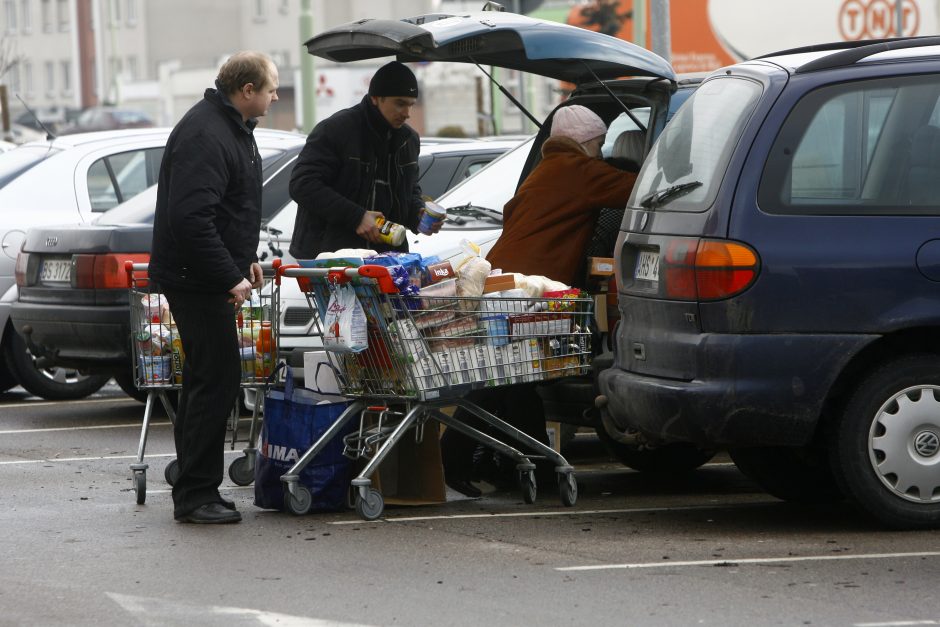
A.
x: 103, y: 271
x: 22, y: 264
x: 707, y: 269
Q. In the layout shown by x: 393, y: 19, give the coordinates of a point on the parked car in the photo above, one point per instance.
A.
x: 778, y: 272
x: 68, y: 179
x: 441, y: 165
x: 82, y: 322
x: 107, y: 119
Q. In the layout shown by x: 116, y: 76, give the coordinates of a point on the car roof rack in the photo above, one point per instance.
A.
x: 867, y: 49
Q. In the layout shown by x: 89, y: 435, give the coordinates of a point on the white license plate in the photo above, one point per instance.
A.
x: 647, y: 266
x: 55, y: 271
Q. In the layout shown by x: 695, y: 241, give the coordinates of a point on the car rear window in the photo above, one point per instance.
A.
x: 694, y: 148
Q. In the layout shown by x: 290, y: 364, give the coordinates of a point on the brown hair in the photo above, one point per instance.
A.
x: 242, y: 68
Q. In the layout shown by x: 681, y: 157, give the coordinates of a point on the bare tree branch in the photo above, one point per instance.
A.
x: 9, y: 57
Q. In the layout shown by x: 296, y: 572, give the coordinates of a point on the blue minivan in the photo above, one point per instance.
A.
x: 779, y: 278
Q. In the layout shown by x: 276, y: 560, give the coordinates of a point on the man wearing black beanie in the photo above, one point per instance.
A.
x: 357, y: 165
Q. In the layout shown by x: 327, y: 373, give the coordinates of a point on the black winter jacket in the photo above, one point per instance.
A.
x: 334, y: 180
x: 208, y: 215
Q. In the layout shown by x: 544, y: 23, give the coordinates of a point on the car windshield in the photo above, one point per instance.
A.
x: 478, y: 201
x: 15, y: 162
x: 686, y: 165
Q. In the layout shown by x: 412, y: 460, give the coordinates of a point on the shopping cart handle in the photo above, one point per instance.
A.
x: 381, y: 276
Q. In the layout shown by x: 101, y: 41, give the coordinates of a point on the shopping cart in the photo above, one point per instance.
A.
x: 157, y: 359
x: 424, y: 354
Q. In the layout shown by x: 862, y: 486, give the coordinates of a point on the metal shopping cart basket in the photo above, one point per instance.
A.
x: 426, y: 352
x: 158, y: 359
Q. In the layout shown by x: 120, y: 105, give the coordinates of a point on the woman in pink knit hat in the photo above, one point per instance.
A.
x: 547, y: 226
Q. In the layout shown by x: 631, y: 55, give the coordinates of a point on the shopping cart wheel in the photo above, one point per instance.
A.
x: 568, y: 489
x: 241, y: 471
x: 172, y: 471
x: 299, y: 501
x: 528, y: 486
x: 370, y: 507
x: 140, y: 485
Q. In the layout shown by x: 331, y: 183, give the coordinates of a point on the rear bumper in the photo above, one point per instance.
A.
x: 752, y: 390
x: 85, y: 337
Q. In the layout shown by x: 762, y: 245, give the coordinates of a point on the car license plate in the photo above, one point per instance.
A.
x: 647, y: 266
x: 55, y: 271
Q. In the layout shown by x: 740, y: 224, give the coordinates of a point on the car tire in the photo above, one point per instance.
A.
x: 668, y: 460
x: 54, y: 384
x: 794, y: 474
x: 885, y: 445
x: 7, y: 380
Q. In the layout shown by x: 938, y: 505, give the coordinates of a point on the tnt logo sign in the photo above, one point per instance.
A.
x: 876, y: 19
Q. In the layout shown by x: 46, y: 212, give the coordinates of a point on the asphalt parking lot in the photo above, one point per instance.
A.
x: 708, y: 549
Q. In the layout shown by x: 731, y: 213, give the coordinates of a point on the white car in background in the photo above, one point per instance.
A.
x: 66, y: 180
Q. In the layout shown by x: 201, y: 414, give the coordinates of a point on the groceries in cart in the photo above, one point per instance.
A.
x: 440, y: 324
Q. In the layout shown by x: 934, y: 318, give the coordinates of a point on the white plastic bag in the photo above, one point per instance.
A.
x: 344, y: 325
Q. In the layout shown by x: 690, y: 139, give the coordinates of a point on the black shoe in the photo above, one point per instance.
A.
x: 226, y: 503
x: 211, y: 514
x: 464, y: 487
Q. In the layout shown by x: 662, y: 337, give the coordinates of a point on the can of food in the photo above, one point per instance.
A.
x: 389, y: 232
x: 432, y: 216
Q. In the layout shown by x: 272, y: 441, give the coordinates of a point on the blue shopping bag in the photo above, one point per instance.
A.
x: 294, y: 418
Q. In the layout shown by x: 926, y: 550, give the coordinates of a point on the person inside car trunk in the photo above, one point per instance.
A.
x: 547, y: 226
x: 358, y: 168
x: 205, y: 238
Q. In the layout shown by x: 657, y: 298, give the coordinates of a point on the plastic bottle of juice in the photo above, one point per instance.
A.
x: 264, y: 351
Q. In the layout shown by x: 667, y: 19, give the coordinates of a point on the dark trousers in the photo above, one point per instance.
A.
x: 519, y: 405
x: 211, y: 378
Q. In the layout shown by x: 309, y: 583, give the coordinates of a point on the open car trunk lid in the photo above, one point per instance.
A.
x: 502, y: 39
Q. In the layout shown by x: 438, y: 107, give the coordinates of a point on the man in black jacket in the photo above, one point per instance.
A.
x: 205, y: 238
x: 357, y: 165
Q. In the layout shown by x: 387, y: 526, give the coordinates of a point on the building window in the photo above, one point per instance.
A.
x: 26, y: 17
x: 285, y: 7
x: 259, y: 10
x: 28, y: 78
x: 132, y: 68
x: 62, y: 9
x: 115, y: 7
x: 50, y: 78
x: 14, y: 74
x: 47, y: 16
x: 9, y: 10
x: 66, y: 77
x: 116, y: 68
x: 131, y: 12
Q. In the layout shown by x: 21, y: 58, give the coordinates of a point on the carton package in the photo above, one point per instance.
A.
x: 412, y: 473
x: 600, y: 266
x: 317, y: 376
x: 426, y: 373
x: 525, y: 360
x: 539, y: 324
x: 499, y: 283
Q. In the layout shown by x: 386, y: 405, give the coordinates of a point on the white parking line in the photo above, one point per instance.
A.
x: 87, y: 401
x: 759, y: 560
x: 135, y: 425
x: 566, y: 512
x: 98, y: 458
x: 898, y: 623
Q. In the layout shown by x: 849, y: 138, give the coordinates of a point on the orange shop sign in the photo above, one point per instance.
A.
x: 708, y: 34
